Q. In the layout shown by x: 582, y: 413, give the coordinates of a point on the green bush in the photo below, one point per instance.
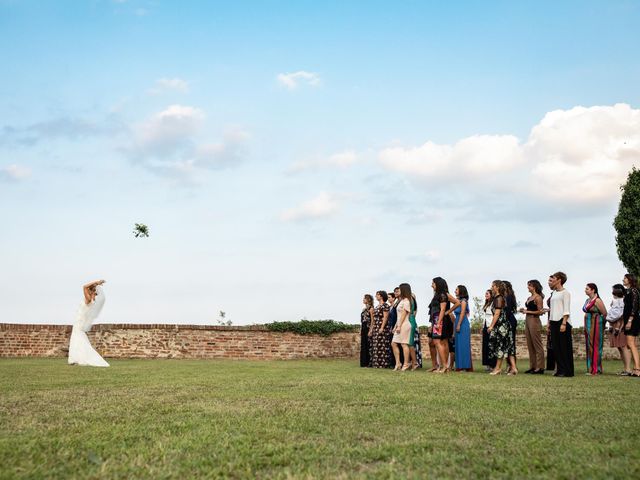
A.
x: 312, y: 327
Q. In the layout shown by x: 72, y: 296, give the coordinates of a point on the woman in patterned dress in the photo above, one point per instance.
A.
x: 365, y: 331
x: 594, y: 314
x: 381, y: 337
x: 500, y: 339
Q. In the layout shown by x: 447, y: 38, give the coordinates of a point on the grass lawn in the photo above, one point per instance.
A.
x: 310, y: 419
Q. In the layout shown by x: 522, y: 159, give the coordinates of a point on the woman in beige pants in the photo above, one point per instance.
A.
x: 533, y: 327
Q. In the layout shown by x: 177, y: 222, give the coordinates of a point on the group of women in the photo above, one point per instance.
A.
x: 390, y: 336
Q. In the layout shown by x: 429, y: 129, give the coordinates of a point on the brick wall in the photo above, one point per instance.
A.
x: 204, y: 341
x: 175, y: 341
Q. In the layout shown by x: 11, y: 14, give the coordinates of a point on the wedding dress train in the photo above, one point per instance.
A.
x: 80, y: 350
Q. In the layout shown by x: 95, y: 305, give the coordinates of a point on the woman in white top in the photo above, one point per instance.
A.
x: 617, y: 338
x: 487, y: 360
x: 80, y: 350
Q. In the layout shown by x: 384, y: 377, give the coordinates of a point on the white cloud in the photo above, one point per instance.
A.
x: 578, y: 156
x: 169, y: 84
x: 171, y: 143
x: 226, y: 153
x: 341, y: 160
x: 293, y: 80
x: 167, y: 131
x: 476, y: 156
x: 14, y: 173
x: 62, y: 128
x: 323, y: 205
x: 583, y: 155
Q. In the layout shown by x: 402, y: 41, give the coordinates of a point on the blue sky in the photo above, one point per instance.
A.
x: 290, y: 156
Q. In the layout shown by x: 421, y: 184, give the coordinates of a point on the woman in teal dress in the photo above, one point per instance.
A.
x: 594, y: 317
x: 462, y: 331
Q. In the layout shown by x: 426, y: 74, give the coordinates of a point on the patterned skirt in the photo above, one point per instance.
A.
x: 381, y: 346
x: 594, y: 338
x: 500, y: 339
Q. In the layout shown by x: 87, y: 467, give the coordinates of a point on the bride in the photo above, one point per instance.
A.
x: 80, y: 350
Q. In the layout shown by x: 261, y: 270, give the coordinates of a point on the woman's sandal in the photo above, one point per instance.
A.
x: 636, y: 372
x: 496, y: 372
x: 405, y: 368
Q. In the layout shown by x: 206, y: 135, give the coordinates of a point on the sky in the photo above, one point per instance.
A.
x: 289, y: 157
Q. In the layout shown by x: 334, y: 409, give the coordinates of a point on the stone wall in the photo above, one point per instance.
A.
x: 204, y: 341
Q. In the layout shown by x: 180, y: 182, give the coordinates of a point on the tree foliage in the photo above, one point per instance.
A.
x: 312, y: 327
x: 627, y: 223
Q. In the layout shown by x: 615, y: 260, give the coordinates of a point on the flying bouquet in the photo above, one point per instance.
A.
x: 141, y: 230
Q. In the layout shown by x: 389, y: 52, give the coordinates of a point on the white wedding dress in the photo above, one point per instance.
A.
x: 80, y: 350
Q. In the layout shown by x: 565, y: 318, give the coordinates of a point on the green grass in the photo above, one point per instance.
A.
x: 310, y: 419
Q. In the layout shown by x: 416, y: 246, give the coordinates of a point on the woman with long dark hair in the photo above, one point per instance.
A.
x: 594, y: 314
x: 404, y: 333
x: 366, y: 331
x: 381, y: 337
x: 533, y: 326
x: 442, y: 327
x: 500, y: 338
x: 631, y: 319
x: 487, y: 360
x: 462, y: 331
x: 511, y: 308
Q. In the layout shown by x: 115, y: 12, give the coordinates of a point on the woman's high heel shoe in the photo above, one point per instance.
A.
x: 496, y: 372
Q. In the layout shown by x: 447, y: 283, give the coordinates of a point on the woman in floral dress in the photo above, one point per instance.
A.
x: 500, y: 339
x: 381, y: 333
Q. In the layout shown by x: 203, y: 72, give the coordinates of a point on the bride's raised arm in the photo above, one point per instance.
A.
x: 88, y: 296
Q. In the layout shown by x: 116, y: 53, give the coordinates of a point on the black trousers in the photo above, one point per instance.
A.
x: 487, y: 359
x: 562, y: 348
x: 365, y: 348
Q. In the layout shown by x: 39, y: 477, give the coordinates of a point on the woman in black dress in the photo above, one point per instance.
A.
x: 365, y: 331
x: 487, y: 360
x: 441, y: 324
x: 511, y: 309
x: 631, y: 318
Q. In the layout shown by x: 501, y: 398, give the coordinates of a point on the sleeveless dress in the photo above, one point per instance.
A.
x: 463, y: 340
x: 407, y: 329
x: 80, y: 350
x: 444, y: 329
x: 593, y: 335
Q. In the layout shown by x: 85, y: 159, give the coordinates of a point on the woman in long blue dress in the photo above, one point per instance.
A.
x: 462, y: 331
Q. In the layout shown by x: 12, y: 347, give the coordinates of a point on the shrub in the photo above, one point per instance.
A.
x: 312, y: 327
